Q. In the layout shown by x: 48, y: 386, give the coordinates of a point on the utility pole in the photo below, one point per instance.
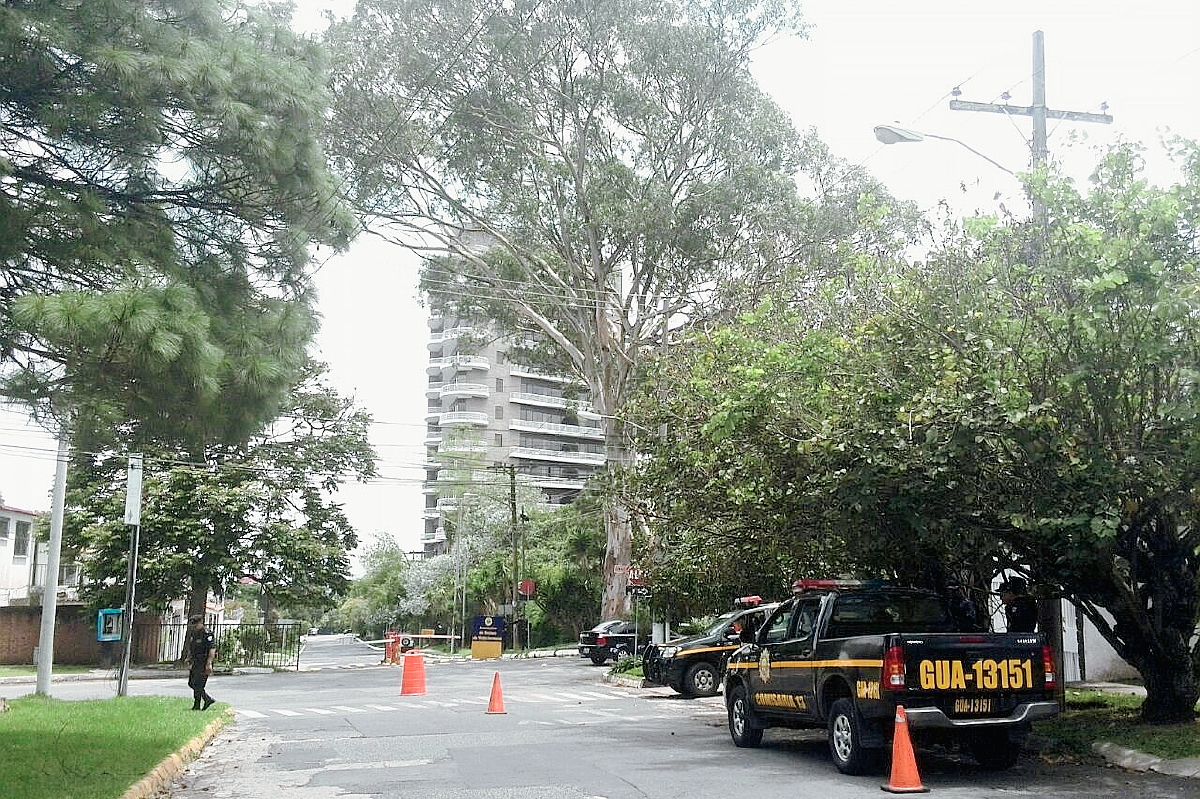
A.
x: 1038, y: 111
x: 1049, y: 609
x: 512, y: 506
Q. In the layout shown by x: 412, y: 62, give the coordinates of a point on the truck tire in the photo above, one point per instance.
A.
x: 743, y: 733
x: 702, y: 680
x: 845, y: 740
x: 994, y: 750
x: 598, y: 657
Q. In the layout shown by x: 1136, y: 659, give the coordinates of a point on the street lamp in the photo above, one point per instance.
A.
x: 891, y: 134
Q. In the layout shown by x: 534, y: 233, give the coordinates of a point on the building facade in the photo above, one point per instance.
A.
x: 23, y: 562
x: 485, y: 410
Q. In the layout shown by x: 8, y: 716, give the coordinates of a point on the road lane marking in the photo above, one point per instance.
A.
x: 319, y: 711
x: 348, y: 709
x: 382, y: 707
x: 286, y: 712
x: 250, y: 714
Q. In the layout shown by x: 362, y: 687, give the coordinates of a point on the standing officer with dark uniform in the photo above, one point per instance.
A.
x: 1020, y: 609
x: 201, y: 651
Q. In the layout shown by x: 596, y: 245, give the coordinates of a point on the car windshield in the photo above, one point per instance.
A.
x: 717, y: 626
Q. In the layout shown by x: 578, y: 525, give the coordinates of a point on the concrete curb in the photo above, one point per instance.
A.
x: 173, y: 765
x: 1133, y: 760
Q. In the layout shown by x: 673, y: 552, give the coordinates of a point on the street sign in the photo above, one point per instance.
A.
x: 527, y: 587
x: 133, y: 491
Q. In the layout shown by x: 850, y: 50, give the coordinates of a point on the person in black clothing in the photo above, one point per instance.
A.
x: 201, y: 650
x: 1020, y: 609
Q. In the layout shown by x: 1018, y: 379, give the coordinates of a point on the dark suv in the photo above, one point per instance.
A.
x: 611, y: 640
x: 695, y: 666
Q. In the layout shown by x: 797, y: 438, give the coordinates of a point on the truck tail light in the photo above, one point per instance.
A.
x: 1048, y: 667
x: 601, y: 640
x: 893, y: 677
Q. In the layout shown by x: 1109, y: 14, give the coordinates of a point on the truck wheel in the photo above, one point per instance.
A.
x: 740, y: 730
x: 845, y: 739
x: 994, y: 750
x: 701, y: 680
x: 598, y: 657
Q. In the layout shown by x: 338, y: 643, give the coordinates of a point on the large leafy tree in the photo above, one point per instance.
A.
x: 1025, y: 397
x: 584, y: 172
x: 264, y: 511
x: 161, y: 181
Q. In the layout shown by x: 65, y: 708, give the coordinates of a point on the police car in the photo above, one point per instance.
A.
x: 695, y: 666
x: 843, y: 656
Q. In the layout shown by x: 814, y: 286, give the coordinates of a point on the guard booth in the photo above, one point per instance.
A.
x: 487, y: 637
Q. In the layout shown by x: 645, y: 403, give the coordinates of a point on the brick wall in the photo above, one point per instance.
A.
x: 74, y: 635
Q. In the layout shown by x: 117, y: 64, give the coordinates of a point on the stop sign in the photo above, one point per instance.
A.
x: 527, y: 587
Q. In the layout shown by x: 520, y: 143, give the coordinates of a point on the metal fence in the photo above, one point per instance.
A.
x: 273, y: 646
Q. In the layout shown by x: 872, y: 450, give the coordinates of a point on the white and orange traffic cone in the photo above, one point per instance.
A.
x: 904, y: 778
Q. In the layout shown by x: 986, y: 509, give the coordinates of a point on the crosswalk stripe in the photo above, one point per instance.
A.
x: 319, y: 711
x: 348, y: 709
x: 286, y: 712
x: 250, y: 714
x: 382, y: 707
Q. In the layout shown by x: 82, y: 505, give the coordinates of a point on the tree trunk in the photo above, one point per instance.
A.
x: 198, y: 598
x: 617, y: 555
x: 1171, y: 690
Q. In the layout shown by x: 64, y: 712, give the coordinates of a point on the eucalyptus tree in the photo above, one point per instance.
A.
x: 583, y: 173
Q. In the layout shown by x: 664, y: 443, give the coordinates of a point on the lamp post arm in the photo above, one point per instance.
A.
x: 973, y: 150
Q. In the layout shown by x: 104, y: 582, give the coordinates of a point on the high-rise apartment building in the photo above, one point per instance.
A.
x: 484, y: 409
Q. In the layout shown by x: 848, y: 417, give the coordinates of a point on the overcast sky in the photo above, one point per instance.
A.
x: 865, y: 62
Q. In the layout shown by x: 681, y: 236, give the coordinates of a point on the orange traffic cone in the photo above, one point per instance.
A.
x: 496, y: 703
x: 412, y: 681
x: 904, y: 777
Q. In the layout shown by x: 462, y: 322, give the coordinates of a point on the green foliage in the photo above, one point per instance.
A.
x: 1025, y: 397
x: 263, y: 511
x: 163, y: 182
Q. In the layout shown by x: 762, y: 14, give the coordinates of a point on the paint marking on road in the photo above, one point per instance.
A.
x: 348, y: 709
x: 546, y: 697
x: 319, y: 711
x: 382, y: 707
x: 250, y: 714
x: 287, y: 712
x: 599, y: 696
x: 381, y: 764
x: 576, y: 697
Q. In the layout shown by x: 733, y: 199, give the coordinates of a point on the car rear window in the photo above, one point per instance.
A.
x: 876, y: 614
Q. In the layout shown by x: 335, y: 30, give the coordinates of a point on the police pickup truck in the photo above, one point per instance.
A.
x: 695, y: 665
x: 842, y: 657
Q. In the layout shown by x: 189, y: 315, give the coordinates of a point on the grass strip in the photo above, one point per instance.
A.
x: 1093, y: 716
x: 54, y: 749
x: 31, y: 671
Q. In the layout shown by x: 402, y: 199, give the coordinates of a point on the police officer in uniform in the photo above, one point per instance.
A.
x: 201, y: 651
x: 1020, y: 609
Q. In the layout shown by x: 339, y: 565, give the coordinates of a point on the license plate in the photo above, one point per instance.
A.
x: 974, y: 705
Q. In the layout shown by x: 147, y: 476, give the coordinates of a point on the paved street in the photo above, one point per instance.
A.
x: 346, y: 732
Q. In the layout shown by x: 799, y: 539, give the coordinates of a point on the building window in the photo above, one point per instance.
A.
x: 499, y: 439
x: 499, y: 385
x: 21, y: 540
x: 3, y: 529
x: 501, y: 357
x: 499, y: 411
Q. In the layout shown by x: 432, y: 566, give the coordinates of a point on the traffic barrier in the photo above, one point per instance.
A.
x: 904, y: 777
x: 412, y: 681
x: 496, y: 703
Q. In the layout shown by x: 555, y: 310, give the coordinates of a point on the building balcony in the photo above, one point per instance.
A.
x: 560, y: 483
x: 572, y: 430
x: 461, y: 447
x: 447, y: 504
x: 432, y: 439
x: 518, y: 370
x: 460, y: 363
x: 547, y: 401
x: 558, y: 456
x: 431, y: 513
x: 433, y: 536
x: 434, y: 366
x: 455, y: 390
x: 434, y: 389
x: 464, y: 419
x: 433, y: 414
x: 438, y: 339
